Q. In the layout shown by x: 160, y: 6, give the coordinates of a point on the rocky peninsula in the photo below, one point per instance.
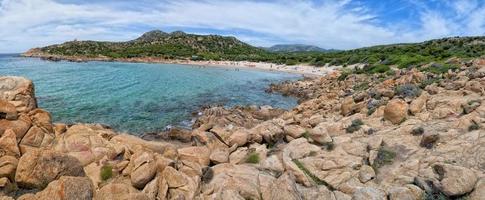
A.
x: 401, y: 135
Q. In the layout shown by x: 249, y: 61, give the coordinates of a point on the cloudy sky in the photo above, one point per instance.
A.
x: 340, y: 24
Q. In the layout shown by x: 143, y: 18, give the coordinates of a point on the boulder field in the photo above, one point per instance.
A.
x: 400, y: 136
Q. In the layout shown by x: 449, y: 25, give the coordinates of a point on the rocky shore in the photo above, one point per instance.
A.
x: 406, y: 135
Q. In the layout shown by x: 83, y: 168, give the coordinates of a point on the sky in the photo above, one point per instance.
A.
x: 331, y: 24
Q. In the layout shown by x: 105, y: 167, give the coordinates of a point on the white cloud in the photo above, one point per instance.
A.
x: 331, y: 24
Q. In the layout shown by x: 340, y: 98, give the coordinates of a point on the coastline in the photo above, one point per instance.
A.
x: 303, y: 69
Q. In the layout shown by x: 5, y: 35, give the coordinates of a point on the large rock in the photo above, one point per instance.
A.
x: 418, y: 104
x: 239, y: 137
x: 294, y: 131
x: 479, y: 192
x: 38, y: 168
x: 144, y: 168
x: 347, y: 105
x: 19, y: 92
x: 66, y: 188
x: 396, y: 111
x: 8, y: 144
x: 134, y: 142
x: 410, y: 192
x: 456, y: 180
x: 19, y: 126
x: 8, y: 165
x: 85, y: 144
x: 35, y: 138
x: 119, y: 191
x: 199, y: 155
x: 7, y: 110
x: 369, y: 193
x: 285, y: 188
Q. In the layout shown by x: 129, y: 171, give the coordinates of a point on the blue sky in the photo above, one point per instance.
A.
x: 339, y: 24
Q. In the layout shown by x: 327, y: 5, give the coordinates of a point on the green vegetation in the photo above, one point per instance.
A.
x: 307, y: 172
x: 385, y: 156
x: 408, y: 90
x: 377, y: 59
x: 106, y: 172
x: 473, y: 126
x: 355, y: 126
x: 253, y: 157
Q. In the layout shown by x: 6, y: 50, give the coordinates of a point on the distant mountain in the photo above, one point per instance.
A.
x: 296, y: 48
x: 175, y: 45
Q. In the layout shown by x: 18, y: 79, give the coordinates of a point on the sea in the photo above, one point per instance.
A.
x: 138, y: 98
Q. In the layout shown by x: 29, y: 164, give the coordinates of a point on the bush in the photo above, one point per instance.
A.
x: 385, y: 156
x: 106, y: 172
x: 253, y: 157
x: 355, y: 126
x: 417, y: 131
x: 408, y: 90
x: 473, y: 126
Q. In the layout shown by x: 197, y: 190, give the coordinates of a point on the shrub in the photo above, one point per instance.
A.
x: 355, y: 126
x: 106, y: 172
x: 253, y: 157
x: 329, y: 146
x: 408, y: 90
x: 417, y: 131
x: 385, y: 156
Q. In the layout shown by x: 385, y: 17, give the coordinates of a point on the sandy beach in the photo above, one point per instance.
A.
x: 303, y: 69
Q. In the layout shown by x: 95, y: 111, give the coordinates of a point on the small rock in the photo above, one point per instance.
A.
x: 366, y: 173
x: 219, y: 156
x: 8, y: 144
x: 429, y: 139
x: 347, y: 105
x: 294, y: 131
x: 7, y: 111
x: 144, y: 168
x: 369, y: 193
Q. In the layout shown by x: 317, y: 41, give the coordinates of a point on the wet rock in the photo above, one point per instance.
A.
x: 396, y: 111
x: 38, y: 168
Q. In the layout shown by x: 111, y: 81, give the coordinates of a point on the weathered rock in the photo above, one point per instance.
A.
x: 428, y: 139
x: 479, y: 191
x: 8, y: 144
x: 85, y: 144
x: 19, y: 92
x: 8, y: 165
x: 38, y: 168
x: 239, y: 137
x: 144, y: 168
x: 366, y: 173
x: 456, y: 180
x: 285, y: 188
x: 35, y: 138
x: 119, y: 191
x: 7, y: 110
x: 19, y: 126
x: 219, y: 156
x: 199, y: 155
x: 410, y: 192
x: 134, y: 142
x: 396, y: 111
x: 66, y: 188
x: 294, y: 131
x: 347, y: 106
x: 369, y: 193
x: 418, y: 104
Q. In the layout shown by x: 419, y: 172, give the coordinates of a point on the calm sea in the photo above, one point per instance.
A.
x: 137, y: 97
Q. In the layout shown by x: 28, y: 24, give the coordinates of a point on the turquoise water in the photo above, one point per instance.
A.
x: 140, y: 98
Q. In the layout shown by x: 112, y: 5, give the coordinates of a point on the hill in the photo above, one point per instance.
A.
x: 175, y: 45
x: 180, y: 45
x: 295, y: 48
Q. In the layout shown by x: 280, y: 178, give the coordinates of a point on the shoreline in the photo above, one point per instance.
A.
x: 303, y: 69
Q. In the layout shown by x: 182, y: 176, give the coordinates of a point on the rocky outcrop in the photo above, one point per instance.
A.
x: 413, y: 135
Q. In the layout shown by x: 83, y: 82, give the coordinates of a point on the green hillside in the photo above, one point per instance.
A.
x: 180, y: 45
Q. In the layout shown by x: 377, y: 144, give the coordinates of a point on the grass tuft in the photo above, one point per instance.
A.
x: 355, y: 126
x: 253, y: 158
x: 106, y: 172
